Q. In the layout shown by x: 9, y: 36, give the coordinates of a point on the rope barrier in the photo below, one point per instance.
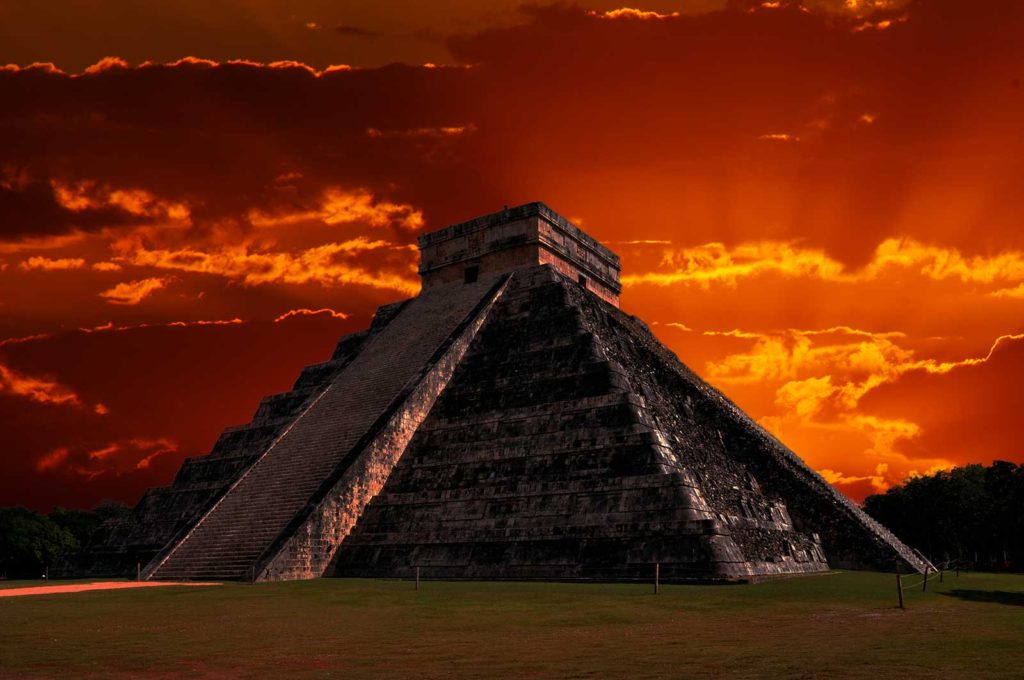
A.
x: 912, y: 585
x: 938, y: 571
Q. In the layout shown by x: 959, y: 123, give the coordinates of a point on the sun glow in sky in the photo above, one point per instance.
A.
x: 818, y: 207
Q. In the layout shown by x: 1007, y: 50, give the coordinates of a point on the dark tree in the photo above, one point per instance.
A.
x: 81, y: 523
x: 974, y: 514
x: 31, y: 542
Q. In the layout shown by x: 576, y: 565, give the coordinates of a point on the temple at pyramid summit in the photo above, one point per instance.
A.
x: 509, y: 422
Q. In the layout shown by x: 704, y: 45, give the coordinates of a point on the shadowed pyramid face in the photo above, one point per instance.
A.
x: 508, y: 422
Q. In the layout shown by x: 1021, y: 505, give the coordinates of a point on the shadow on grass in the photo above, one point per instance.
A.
x: 994, y: 596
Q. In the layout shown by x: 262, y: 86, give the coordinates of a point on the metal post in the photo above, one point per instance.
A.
x: 138, y: 571
x: 924, y: 583
x: 417, y: 578
x: 657, y: 577
x: 899, y: 589
x: 941, y: 572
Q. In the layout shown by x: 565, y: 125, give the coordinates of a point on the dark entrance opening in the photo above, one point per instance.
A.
x: 470, y: 274
x: 582, y: 280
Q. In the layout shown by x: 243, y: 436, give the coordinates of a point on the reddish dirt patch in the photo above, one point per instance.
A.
x: 84, y: 587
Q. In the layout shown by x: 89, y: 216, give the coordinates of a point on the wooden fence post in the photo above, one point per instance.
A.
x: 417, y: 578
x: 899, y: 589
x: 657, y: 577
x: 924, y: 583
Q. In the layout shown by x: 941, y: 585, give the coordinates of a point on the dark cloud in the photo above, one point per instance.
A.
x: 217, y: 135
x: 691, y: 101
x: 343, y: 29
x: 32, y: 210
x: 727, y: 126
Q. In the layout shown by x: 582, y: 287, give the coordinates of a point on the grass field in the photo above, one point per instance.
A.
x: 840, y: 625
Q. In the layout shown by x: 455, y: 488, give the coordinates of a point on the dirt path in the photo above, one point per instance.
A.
x: 105, y: 585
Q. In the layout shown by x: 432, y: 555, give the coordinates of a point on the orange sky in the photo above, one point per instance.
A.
x: 817, y: 207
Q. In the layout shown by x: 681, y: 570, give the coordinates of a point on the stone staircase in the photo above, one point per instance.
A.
x: 164, y: 512
x: 230, y: 538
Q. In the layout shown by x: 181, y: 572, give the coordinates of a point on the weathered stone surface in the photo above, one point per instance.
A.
x: 304, y: 549
x: 163, y: 512
x: 511, y: 424
x: 229, y: 540
x: 515, y: 238
x: 546, y: 458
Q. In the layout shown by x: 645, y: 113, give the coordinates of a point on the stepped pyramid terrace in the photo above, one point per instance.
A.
x: 509, y: 422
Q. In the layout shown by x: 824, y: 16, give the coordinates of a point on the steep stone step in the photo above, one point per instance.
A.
x: 164, y: 512
x: 260, y: 505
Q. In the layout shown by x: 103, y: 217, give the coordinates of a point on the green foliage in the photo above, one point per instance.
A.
x: 30, y: 542
x: 973, y: 514
x: 81, y: 523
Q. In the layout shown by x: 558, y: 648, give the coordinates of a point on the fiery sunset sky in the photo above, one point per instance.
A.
x: 818, y: 207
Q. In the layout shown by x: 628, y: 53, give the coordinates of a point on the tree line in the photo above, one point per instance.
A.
x: 31, y: 542
x: 974, y: 514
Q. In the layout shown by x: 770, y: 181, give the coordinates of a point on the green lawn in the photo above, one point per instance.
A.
x: 840, y: 625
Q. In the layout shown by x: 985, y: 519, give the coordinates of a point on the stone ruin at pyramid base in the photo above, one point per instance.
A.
x: 509, y: 422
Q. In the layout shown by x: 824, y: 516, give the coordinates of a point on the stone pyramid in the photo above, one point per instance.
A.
x: 509, y: 422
